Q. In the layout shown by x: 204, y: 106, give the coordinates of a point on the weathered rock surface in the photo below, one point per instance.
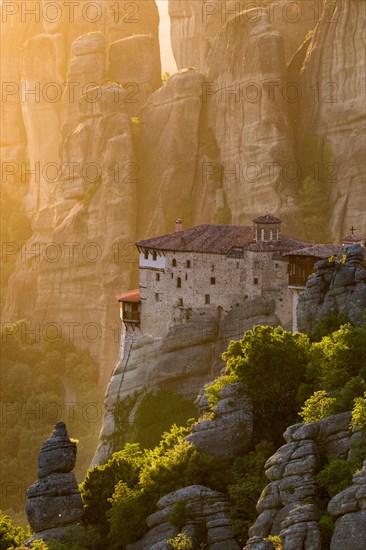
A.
x: 54, y: 500
x: 169, y: 131
x: 91, y: 225
x: 196, y: 23
x: 134, y: 63
x: 85, y: 189
x: 288, y: 505
x: 14, y: 144
x: 228, y: 434
x: 335, y: 288
x: 183, y: 361
x: 349, y: 511
x: 208, y: 520
x: 250, y: 123
x: 331, y: 130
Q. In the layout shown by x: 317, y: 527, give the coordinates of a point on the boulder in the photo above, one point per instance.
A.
x: 228, y: 434
x: 207, y: 520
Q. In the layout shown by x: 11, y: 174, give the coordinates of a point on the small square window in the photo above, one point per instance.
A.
x: 156, y: 297
x: 158, y: 276
x: 207, y: 298
x: 213, y: 280
x: 256, y: 281
x: 155, y: 255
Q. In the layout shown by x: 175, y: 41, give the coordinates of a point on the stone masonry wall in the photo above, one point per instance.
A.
x: 227, y: 281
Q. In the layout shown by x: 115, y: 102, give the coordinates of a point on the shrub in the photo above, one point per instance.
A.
x: 10, y: 535
x: 173, y: 464
x: 276, y: 542
x: 359, y: 413
x: 180, y: 514
x: 213, y: 390
x: 336, y: 476
x: 326, y: 525
x: 181, y: 542
x: 318, y: 406
x: 100, y: 482
x: 246, y: 484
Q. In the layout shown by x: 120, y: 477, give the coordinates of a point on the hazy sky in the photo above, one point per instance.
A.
x: 167, y: 59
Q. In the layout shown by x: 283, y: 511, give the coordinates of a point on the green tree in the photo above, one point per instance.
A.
x: 318, y: 406
x: 271, y: 362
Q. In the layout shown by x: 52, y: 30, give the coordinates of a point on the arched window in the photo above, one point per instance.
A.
x: 262, y: 234
x: 179, y: 282
x: 174, y: 262
x: 180, y: 302
x: 271, y: 235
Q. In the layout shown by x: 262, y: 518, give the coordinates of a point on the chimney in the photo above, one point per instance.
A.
x: 178, y: 225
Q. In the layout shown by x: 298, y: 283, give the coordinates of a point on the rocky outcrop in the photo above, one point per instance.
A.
x: 349, y: 511
x: 337, y: 287
x: 79, y: 256
x: 208, y: 521
x: 250, y: 122
x: 228, y: 433
x: 169, y: 131
x: 184, y: 360
x: 195, y: 25
x: 288, y: 505
x: 83, y: 188
x: 54, y: 500
x: 331, y: 130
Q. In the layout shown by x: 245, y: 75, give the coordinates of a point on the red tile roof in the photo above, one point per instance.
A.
x: 267, y: 218
x: 352, y: 239
x: 132, y: 296
x: 318, y: 251
x: 217, y: 239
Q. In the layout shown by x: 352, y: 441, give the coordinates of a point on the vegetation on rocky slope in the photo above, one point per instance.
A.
x: 296, y: 370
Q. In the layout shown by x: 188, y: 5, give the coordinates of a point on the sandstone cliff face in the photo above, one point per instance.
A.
x: 331, y: 128
x: 200, y: 152
x: 183, y: 361
x: 336, y: 288
x: 84, y: 192
x: 196, y: 23
x: 251, y: 125
x: 169, y: 131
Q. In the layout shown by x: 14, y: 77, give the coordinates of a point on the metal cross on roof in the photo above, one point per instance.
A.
x: 353, y: 229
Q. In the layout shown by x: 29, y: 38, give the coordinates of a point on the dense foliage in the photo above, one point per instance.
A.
x: 40, y: 384
x: 155, y: 415
x: 278, y: 358
x: 285, y: 374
